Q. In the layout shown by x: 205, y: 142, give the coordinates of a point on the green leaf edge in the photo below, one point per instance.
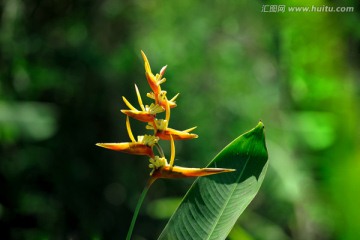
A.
x: 257, y: 130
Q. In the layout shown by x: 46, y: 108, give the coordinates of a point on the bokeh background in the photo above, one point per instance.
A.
x: 65, y: 65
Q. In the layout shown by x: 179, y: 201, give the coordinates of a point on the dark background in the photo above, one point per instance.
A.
x: 64, y: 66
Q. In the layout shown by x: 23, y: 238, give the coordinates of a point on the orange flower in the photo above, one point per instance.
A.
x: 154, y: 81
x: 184, y: 172
x: 143, y: 146
x: 164, y: 132
x: 147, y: 113
x: 161, y: 99
x: 162, y: 169
x: 176, y: 134
x: 136, y: 148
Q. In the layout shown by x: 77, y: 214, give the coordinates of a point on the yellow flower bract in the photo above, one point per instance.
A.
x: 144, y: 145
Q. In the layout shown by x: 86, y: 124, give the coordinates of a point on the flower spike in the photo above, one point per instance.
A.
x: 143, y: 145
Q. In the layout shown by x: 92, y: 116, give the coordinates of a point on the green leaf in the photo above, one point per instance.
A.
x: 214, y: 203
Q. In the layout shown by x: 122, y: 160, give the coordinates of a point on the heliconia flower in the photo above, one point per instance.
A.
x: 162, y: 169
x: 161, y: 99
x: 157, y: 162
x: 160, y: 126
x: 164, y: 132
x: 157, y: 124
x: 143, y: 146
x: 147, y: 113
x: 176, y: 134
x: 134, y: 148
x: 154, y: 81
x: 184, y: 172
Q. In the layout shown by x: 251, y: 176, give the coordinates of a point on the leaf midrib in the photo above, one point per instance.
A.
x: 226, y: 203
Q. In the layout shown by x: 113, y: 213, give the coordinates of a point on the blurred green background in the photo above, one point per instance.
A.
x: 65, y: 65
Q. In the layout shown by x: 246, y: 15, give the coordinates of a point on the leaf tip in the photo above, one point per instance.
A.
x: 260, y: 124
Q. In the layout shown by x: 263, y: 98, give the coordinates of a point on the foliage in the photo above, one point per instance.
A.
x: 213, y: 204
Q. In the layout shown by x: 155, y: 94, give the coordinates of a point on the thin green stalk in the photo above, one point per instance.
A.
x: 138, y: 206
x: 160, y: 150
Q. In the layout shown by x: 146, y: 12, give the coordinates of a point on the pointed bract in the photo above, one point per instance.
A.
x: 184, y: 172
x: 160, y: 101
x: 139, y: 115
x: 154, y: 81
x: 147, y: 113
x: 129, y: 147
x: 176, y: 134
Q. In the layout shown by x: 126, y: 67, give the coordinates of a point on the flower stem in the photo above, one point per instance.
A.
x: 160, y: 150
x: 138, y: 205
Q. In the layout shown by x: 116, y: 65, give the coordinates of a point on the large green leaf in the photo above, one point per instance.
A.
x: 214, y: 203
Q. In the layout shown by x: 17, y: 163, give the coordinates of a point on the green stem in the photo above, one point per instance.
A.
x: 138, y: 205
x: 161, y: 152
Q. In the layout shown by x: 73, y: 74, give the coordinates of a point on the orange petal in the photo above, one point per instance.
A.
x: 152, y: 82
x: 163, y: 103
x: 129, y: 147
x: 184, y: 172
x: 139, y: 115
x: 150, y: 76
x: 176, y: 134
